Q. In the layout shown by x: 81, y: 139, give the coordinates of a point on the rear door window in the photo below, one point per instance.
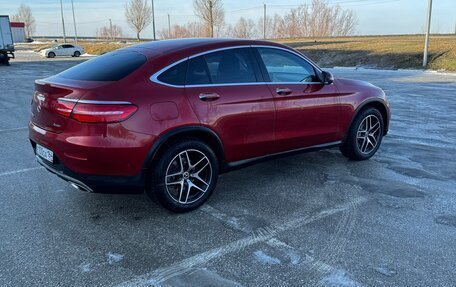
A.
x: 112, y: 66
x: 198, y: 73
x: 231, y: 66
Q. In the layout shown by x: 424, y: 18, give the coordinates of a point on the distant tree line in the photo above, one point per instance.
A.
x: 319, y: 19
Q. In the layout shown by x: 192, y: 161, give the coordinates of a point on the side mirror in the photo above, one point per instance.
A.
x: 328, y: 78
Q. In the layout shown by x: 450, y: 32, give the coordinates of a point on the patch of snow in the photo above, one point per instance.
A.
x: 339, y: 278
x: 86, y: 268
x: 295, y: 258
x: 114, y: 257
x: 37, y: 42
x: 263, y: 258
x: 88, y: 55
x: 385, y: 271
x: 441, y: 72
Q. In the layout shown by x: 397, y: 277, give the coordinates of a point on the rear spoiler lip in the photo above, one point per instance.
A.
x: 59, y: 82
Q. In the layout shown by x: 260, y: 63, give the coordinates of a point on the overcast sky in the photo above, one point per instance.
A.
x: 375, y: 16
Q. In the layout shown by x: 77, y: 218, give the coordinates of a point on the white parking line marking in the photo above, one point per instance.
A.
x: 158, y: 276
x: 13, y: 130
x: 21, y: 170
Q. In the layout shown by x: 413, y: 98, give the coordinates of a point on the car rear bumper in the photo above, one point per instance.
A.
x: 95, y: 162
x: 93, y: 183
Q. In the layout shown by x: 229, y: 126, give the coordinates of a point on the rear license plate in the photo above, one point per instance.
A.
x: 45, y: 153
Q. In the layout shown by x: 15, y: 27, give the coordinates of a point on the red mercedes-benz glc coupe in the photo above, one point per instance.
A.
x: 168, y: 117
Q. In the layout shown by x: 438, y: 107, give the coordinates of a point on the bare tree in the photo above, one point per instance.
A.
x: 138, y: 14
x: 24, y: 14
x: 109, y: 32
x: 211, y: 13
x: 316, y: 20
x: 190, y: 30
x: 270, y: 26
x: 244, y: 28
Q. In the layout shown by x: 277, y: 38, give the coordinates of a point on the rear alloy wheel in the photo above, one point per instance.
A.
x: 184, y: 176
x: 51, y: 55
x: 77, y: 54
x: 364, y: 136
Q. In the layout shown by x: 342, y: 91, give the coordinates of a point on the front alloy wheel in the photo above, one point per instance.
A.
x: 184, y: 175
x: 368, y: 134
x: 364, y: 135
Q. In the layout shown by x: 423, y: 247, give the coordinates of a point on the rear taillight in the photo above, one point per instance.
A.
x: 105, y: 113
x: 95, y: 112
x: 64, y: 108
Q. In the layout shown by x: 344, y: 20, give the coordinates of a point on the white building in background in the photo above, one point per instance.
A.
x: 18, y: 31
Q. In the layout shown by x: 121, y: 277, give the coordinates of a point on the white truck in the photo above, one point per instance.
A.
x: 6, y: 40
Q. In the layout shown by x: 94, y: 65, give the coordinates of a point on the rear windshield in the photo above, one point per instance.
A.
x: 108, y: 67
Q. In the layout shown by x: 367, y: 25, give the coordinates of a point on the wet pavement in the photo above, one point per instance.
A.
x: 315, y: 219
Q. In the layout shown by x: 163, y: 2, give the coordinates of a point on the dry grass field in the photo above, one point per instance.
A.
x: 380, y: 51
x: 391, y: 52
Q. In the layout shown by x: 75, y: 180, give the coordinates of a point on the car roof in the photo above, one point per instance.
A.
x: 193, y: 45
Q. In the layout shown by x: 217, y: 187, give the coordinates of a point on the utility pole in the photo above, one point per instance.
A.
x: 428, y: 31
x: 63, y: 22
x: 264, y: 22
x: 211, y: 7
x: 111, y: 34
x: 74, y: 22
x: 169, y: 27
x: 153, y: 19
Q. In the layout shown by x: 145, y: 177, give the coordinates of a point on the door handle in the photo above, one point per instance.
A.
x: 209, y: 97
x: 283, y: 91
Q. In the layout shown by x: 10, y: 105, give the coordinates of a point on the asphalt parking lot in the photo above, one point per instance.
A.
x: 314, y: 219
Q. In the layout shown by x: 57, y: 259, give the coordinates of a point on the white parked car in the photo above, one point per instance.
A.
x: 63, y: 50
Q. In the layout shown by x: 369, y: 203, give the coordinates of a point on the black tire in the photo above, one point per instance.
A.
x: 183, y: 197
x: 77, y: 54
x: 353, y: 147
x: 51, y: 55
x: 4, y: 59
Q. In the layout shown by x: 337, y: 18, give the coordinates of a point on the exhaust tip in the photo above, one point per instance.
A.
x: 79, y: 187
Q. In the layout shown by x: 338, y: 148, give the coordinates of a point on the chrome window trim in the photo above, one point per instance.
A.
x: 154, y: 77
x: 218, y: 50
x: 95, y: 102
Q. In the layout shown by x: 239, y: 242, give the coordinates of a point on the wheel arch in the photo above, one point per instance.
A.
x: 378, y: 104
x: 205, y: 134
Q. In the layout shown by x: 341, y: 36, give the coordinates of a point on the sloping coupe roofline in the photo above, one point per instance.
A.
x: 153, y: 48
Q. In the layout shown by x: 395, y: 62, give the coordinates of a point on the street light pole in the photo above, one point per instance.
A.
x: 153, y: 19
x: 74, y: 23
x: 264, y: 21
x: 211, y: 7
x: 428, y: 31
x: 169, y: 26
x: 63, y: 22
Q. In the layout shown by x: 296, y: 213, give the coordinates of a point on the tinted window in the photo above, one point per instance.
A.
x: 67, y: 46
x: 283, y: 66
x: 108, y: 67
x: 230, y: 66
x: 174, y: 75
x: 197, y: 73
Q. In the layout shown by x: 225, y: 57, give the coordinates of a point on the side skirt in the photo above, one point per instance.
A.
x: 229, y: 166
